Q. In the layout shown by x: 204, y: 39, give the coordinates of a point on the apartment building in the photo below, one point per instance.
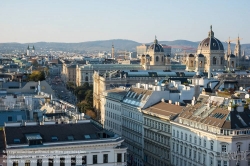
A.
x: 81, y: 143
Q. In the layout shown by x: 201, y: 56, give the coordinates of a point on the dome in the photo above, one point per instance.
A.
x: 211, y: 43
x: 143, y: 55
x: 156, y: 47
x: 168, y: 55
x: 190, y: 55
x: 200, y: 55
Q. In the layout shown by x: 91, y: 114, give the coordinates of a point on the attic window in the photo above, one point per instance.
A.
x: 16, y: 141
x: 70, y: 138
x: 87, y: 136
x: 54, y: 138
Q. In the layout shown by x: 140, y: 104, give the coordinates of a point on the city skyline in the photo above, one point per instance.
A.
x: 80, y: 21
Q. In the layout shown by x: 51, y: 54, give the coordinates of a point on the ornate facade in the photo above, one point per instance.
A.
x: 155, y: 58
x: 211, y: 55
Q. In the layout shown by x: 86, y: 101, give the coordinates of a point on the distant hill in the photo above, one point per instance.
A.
x: 102, y: 45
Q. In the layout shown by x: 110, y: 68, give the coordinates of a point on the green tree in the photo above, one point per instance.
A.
x: 36, y: 76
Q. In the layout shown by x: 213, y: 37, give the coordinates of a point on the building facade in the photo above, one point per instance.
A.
x: 211, y: 55
x: 214, y: 131
x: 82, y: 143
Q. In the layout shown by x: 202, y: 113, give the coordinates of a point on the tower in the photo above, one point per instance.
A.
x: 113, y: 51
x: 237, y: 51
x: 28, y: 51
x: 33, y: 50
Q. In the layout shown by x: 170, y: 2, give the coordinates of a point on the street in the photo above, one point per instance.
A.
x: 60, y: 89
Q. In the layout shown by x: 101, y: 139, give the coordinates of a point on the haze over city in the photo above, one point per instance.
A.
x: 81, y: 20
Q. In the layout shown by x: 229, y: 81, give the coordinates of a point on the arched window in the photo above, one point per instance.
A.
x: 86, y: 78
x: 232, y: 64
x: 221, y: 60
x: 214, y: 60
x: 200, y: 64
x: 191, y: 63
x: 157, y: 59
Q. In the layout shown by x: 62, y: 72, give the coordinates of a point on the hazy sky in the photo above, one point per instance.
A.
x: 139, y: 20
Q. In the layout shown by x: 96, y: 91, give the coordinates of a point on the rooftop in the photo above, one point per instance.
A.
x: 48, y: 134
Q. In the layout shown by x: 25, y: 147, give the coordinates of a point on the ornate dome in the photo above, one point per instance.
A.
x: 190, y: 55
x: 211, y: 43
x: 156, y: 47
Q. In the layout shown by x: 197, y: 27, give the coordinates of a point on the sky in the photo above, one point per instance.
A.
x: 71, y: 21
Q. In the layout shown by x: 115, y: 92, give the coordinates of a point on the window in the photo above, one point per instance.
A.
x: 39, y: 162
x: 211, y: 145
x: 205, y: 143
x: 238, y: 148
x: 181, y: 149
x: 181, y: 135
x: 211, y: 161
x: 186, y: 137
x: 73, y: 161
x: 200, y: 141
x: 15, y: 163
x: 174, y: 133
x: 119, y: 157
x: 219, y: 163
x: 194, y: 155
x: 214, y: 60
x: 190, y: 138
x: 62, y: 161
x: 51, y: 162
x: 185, y: 151
x: 94, y: 159
x: 27, y: 163
x: 105, y: 158
x: 9, y: 118
x: 190, y: 153
x: 177, y: 134
x: 84, y: 160
x: 195, y: 140
x: 204, y: 158
x: 157, y: 59
x: 223, y: 148
x: 224, y: 163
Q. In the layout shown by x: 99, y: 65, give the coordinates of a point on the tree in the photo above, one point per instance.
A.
x: 89, y: 97
x: 36, y: 76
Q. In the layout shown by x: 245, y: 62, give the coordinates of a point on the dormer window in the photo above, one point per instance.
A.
x: 16, y: 141
x: 54, y: 139
x: 34, y: 139
x: 70, y: 138
x: 87, y: 136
